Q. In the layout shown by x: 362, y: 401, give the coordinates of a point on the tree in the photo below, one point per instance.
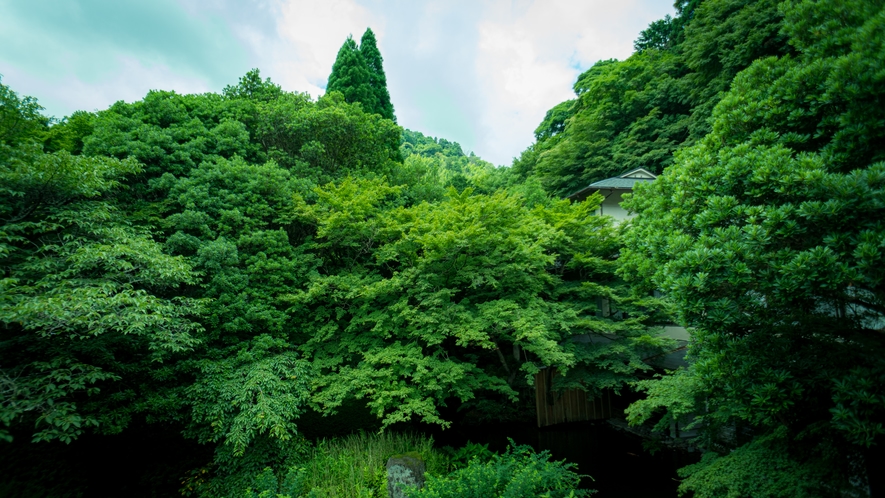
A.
x: 372, y: 56
x: 358, y: 73
x: 659, y: 35
x: 252, y: 87
x: 638, y: 112
x: 414, y: 142
x: 328, y: 139
x: 352, y: 77
x: 462, y: 299
x: 670, y: 31
x: 87, y: 300
x: 20, y: 121
x: 768, y: 237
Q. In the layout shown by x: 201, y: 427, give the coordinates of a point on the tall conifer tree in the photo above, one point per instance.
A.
x: 359, y: 75
x: 352, y: 77
x: 372, y: 56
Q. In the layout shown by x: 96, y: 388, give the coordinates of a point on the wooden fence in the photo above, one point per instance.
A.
x: 571, y: 405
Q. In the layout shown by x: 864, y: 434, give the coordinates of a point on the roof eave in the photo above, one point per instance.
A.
x: 592, y: 188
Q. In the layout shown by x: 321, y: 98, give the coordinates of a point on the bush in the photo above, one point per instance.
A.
x: 348, y: 467
x: 461, y: 457
x: 518, y: 473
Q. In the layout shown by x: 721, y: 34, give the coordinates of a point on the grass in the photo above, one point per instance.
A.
x: 355, y: 465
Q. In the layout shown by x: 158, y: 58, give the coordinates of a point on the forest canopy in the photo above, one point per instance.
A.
x: 222, y: 264
x: 225, y: 268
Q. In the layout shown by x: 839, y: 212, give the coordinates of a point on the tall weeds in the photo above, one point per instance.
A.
x: 355, y: 465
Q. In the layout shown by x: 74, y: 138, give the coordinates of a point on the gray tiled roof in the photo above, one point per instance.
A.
x: 625, y: 181
x: 618, y: 183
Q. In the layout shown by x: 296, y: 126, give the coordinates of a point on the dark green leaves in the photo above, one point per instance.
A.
x: 358, y: 74
x: 372, y: 56
x: 85, y: 296
x: 260, y: 389
x: 768, y: 235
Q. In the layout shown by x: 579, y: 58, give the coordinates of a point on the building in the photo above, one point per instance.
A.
x: 612, y: 191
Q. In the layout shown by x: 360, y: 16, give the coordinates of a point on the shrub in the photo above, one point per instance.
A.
x: 347, y: 467
x: 518, y: 473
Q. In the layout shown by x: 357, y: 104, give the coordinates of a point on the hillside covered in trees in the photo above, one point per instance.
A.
x: 215, y: 272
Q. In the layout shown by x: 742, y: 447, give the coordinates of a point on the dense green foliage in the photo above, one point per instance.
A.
x: 219, y: 265
x: 355, y: 466
x: 87, y: 298
x: 227, y: 266
x: 358, y: 74
x: 436, y: 301
x: 768, y: 236
x: 352, y: 466
x: 414, y: 142
x: 637, y: 112
x: 377, y: 78
x: 517, y: 473
x: 433, y: 163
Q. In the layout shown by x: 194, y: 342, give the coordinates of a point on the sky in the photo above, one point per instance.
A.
x: 481, y: 73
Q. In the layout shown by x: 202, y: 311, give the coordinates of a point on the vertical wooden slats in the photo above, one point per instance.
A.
x: 572, y: 405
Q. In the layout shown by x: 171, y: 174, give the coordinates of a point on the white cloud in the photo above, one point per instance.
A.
x: 314, y: 31
x: 518, y: 85
x: 130, y: 82
x: 529, y: 56
x: 479, y: 73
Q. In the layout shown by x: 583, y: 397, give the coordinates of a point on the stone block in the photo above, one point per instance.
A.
x: 404, y: 471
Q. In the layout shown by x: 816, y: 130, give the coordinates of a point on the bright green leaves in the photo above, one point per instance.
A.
x: 675, y: 394
x: 415, y: 305
x: 418, y: 282
x: 347, y: 215
x: 259, y: 389
x: 403, y: 381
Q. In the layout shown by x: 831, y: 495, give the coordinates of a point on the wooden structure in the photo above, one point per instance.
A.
x: 571, y: 405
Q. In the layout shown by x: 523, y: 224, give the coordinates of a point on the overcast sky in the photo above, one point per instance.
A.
x: 481, y: 73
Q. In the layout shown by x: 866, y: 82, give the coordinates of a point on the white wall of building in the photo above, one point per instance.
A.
x: 611, y: 206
